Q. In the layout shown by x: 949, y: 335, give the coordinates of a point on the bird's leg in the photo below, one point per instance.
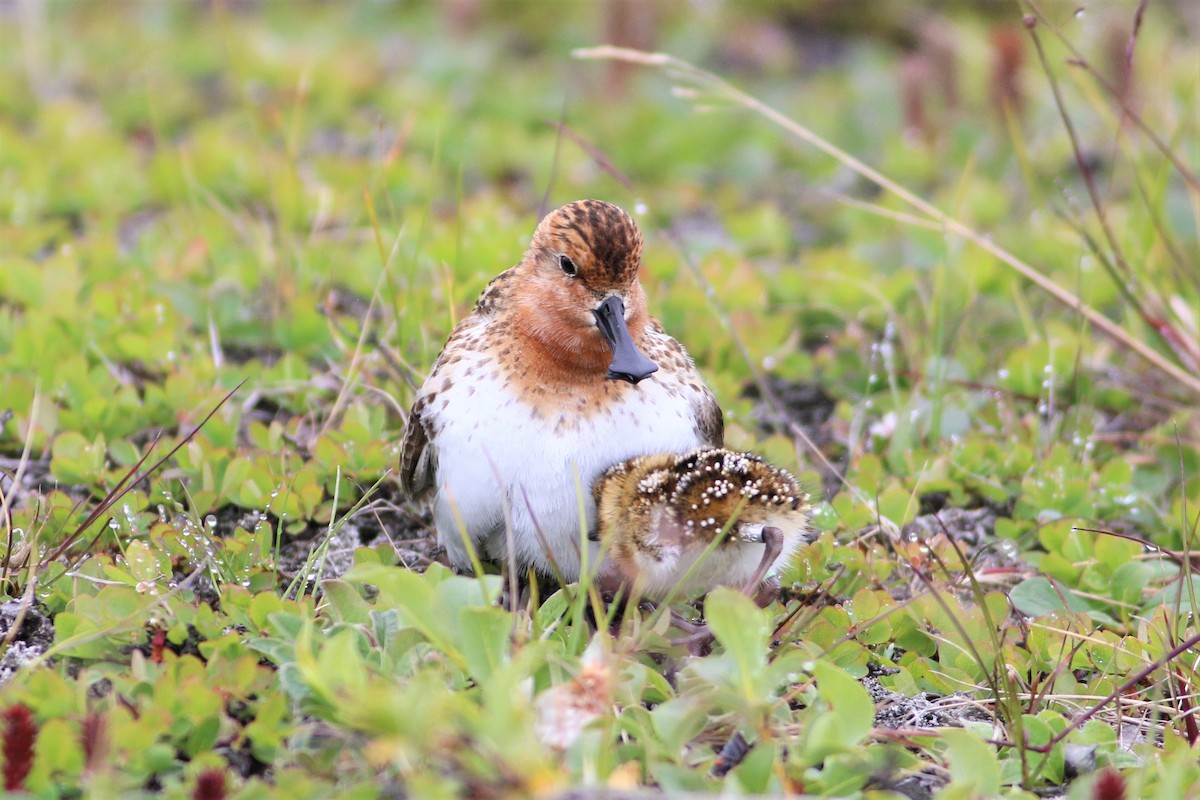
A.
x: 697, y: 643
x: 685, y: 624
x: 767, y: 592
x: 761, y: 589
x: 698, y: 638
x: 627, y: 602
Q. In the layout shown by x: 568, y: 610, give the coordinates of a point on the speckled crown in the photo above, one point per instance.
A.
x: 601, y: 229
x: 709, y: 486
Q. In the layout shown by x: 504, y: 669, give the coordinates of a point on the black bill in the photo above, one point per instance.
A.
x: 627, y: 363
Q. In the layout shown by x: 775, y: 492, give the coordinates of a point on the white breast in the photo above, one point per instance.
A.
x: 496, y: 462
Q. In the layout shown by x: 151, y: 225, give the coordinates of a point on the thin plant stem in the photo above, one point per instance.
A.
x: 686, y: 71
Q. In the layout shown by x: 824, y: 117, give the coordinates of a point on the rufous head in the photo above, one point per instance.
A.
x: 580, y: 296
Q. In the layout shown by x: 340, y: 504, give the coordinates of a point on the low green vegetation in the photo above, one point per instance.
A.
x: 234, y: 236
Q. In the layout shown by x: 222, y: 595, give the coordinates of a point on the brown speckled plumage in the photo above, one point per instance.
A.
x: 659, y: 513
x: 528, y: 371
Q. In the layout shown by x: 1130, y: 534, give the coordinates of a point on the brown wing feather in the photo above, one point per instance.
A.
x: 417, y: 462
x: 710, y: 421
x: 491, y: 299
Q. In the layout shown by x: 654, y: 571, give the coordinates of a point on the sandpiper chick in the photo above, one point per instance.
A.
x: 680, y: 525
x: 558, y: 373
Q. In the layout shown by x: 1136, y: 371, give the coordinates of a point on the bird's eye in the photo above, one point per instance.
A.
x: 568, y: 266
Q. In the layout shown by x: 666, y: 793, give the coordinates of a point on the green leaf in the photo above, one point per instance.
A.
x: 204, y: 735
x: 57, y: 749
x: 1036, y: 596
x: 550, y: 611
x: 340, y: 663
x: 845, y: 720
x: 278, y: 651
x: 741, y: 628
x: 973, y: 764
x: 483, y: 638
x: 1177, y: 594
x: 842, y: 775
x: 757, y: 770
x: 1114, y: 552
x: 1129, y: 581
x: 422, y: 602
x: 143, y: 566
x: 263, y: 606
x: 345, y: 602
x: 677, y: 722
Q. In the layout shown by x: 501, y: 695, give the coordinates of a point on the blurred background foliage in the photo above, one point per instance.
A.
x: 306, y: 196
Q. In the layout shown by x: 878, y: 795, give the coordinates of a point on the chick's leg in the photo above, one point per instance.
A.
x: 766, y: 593
x: 697, y: 643
x: 760, y: 588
